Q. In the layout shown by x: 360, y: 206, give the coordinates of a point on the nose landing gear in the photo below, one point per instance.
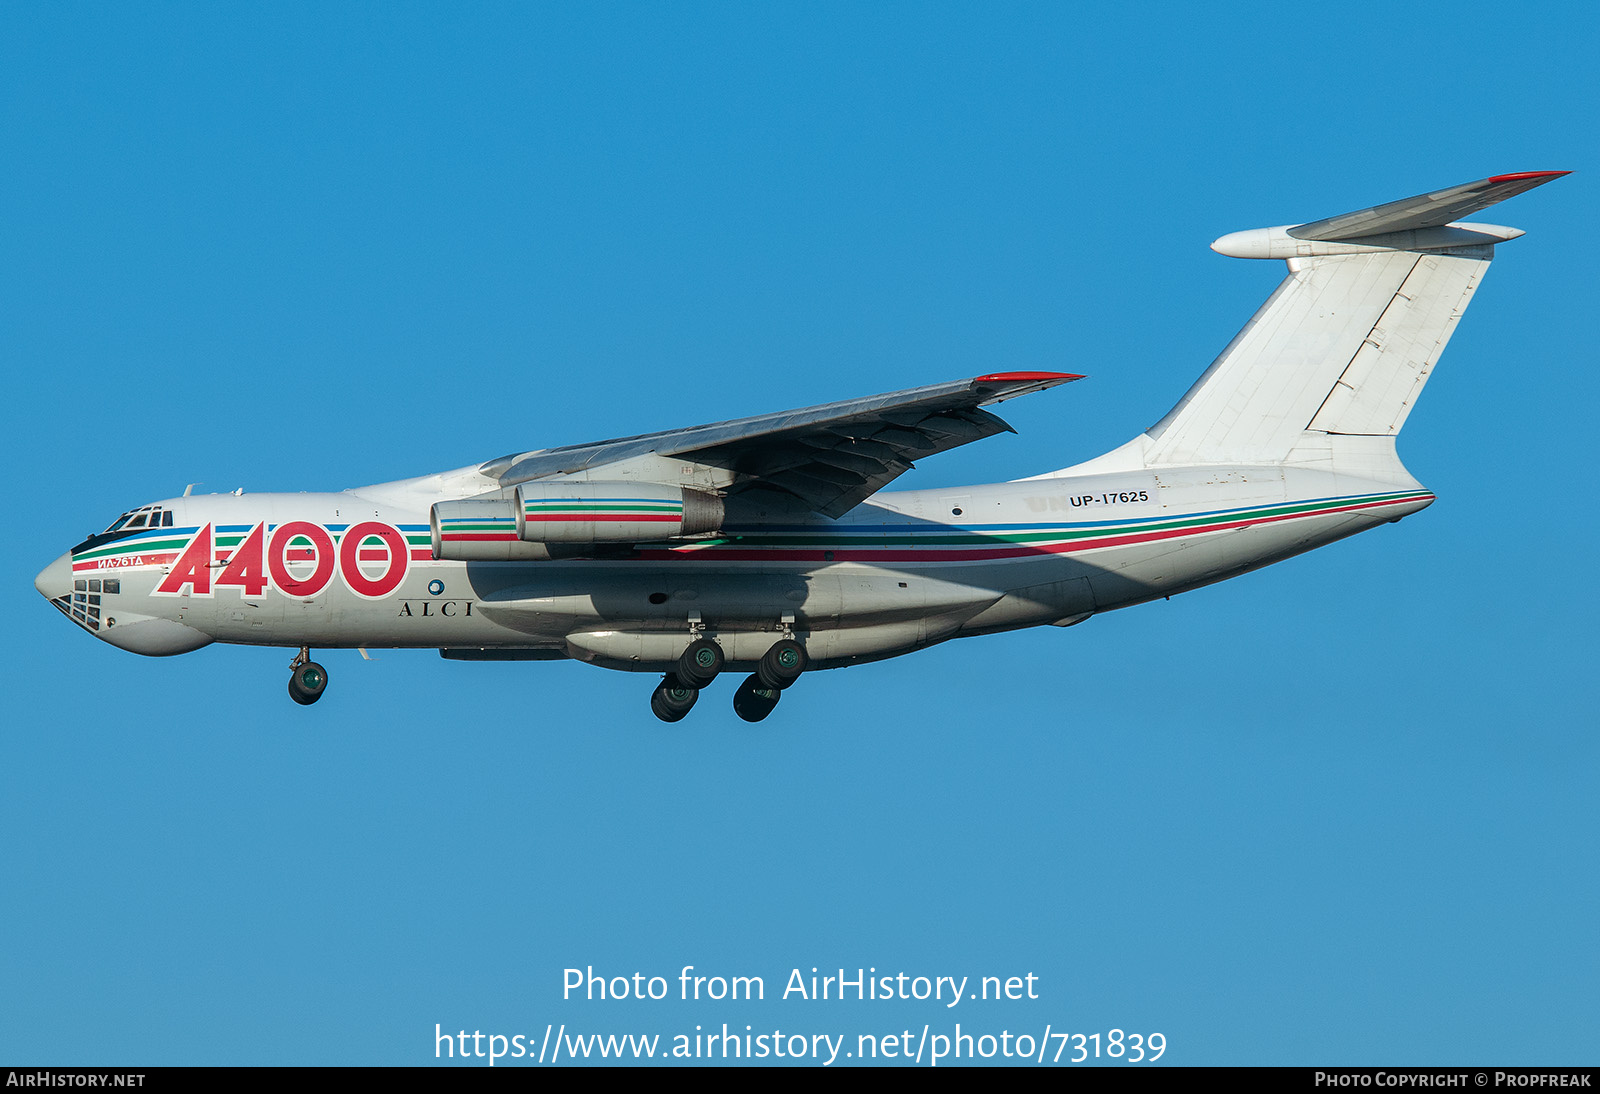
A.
x: 307, y: 679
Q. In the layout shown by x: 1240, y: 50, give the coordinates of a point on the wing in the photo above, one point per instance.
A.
x: 1425, y: 210
x: 830, y: 457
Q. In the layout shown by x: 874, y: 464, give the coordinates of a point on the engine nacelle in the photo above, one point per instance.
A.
x: 612, y: 512
x: 544, y: 520
x: 481, y: 530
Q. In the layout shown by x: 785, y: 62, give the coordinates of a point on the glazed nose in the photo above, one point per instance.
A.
x: 55, y: 580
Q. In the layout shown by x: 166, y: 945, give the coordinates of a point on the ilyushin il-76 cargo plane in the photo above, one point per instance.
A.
x: 768, y: 544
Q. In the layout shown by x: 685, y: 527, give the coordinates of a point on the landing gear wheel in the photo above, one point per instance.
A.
x: 700, y: 663
x: 754, y: 700
x: 782, y: 664
x: 307, y: 683
x: 671, y: 700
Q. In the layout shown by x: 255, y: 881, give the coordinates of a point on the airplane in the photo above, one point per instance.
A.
x: 768, y: 544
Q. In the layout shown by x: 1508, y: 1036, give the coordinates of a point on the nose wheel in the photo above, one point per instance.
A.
x: 307, y: 679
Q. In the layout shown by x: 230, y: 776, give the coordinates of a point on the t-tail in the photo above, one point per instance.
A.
x: 1326, y: 372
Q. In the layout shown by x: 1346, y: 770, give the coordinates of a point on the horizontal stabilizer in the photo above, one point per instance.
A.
x: 1425, y: 210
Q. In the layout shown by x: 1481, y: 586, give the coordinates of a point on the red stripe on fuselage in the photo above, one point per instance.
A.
x: 980, y: 554
x: 110, y: 563
x: 670, y: 518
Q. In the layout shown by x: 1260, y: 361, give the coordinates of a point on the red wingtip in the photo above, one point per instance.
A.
x: 1529, y: 175
x: 1025, y: 377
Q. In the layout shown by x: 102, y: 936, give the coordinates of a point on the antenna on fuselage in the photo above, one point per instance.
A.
x: 187, y: 490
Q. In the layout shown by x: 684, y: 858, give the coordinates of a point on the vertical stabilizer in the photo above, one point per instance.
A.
x: 1347, y: 341
x: 1343, y: 346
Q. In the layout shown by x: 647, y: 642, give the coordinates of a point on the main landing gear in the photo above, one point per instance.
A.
x: 754, y: 700
x: 672, y: 699
x: 307, y: 679
x: 699, y: 665
x: 782, y: 664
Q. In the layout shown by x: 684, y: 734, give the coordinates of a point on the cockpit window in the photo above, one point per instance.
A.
x: 150, y: 516
x: 128, y: 524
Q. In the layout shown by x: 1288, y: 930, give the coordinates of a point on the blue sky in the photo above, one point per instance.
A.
x: 1338, y: 811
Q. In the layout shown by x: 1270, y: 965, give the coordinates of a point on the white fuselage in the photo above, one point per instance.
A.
x: 900, y: 572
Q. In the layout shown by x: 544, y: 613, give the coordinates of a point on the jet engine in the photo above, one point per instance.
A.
x: 543, y: 520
